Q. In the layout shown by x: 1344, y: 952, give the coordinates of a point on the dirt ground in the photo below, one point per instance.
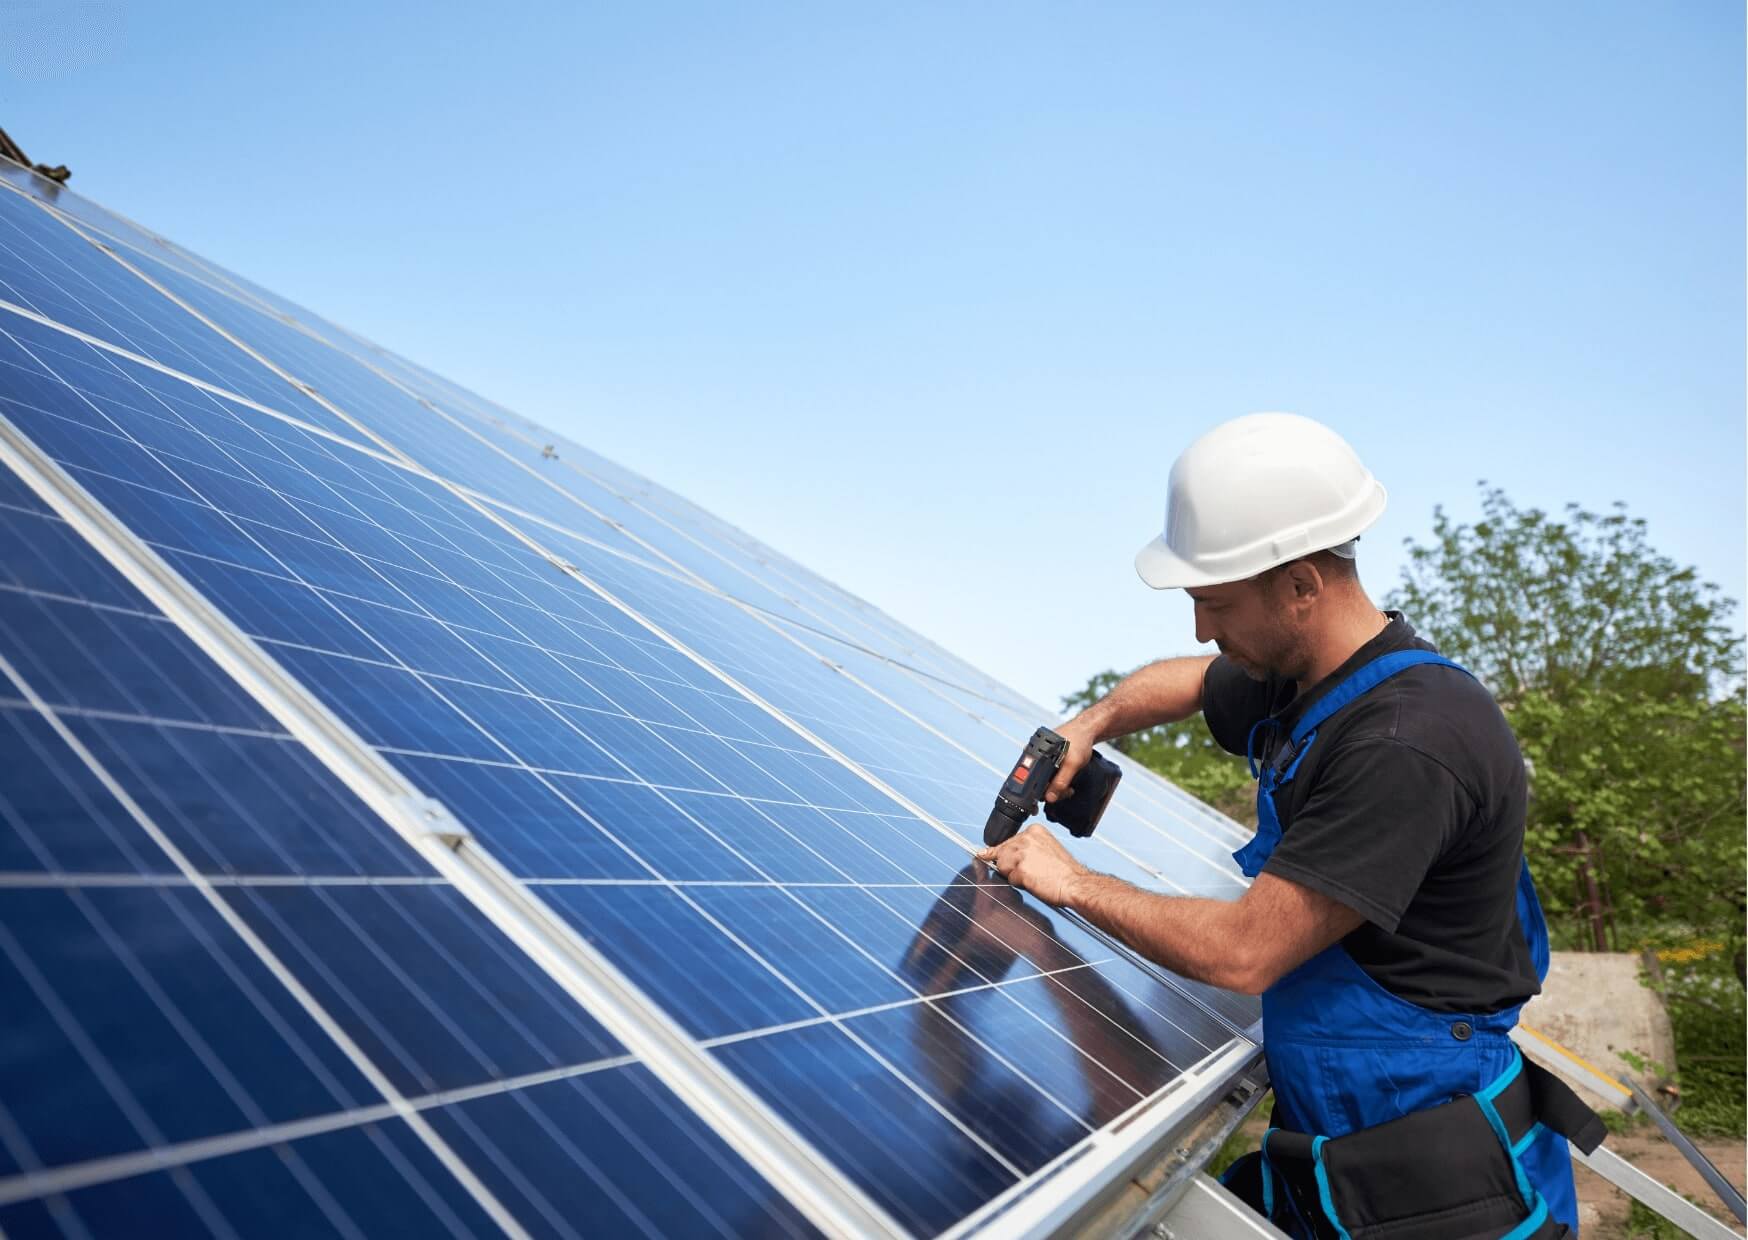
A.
x: 1602, y: 1208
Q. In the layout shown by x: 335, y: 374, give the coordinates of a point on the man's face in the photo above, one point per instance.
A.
x: 1252, y: 624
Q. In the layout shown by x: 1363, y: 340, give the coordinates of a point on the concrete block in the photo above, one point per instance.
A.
x: 1594, y: 1005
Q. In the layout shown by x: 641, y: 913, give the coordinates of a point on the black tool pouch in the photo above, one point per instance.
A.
x: 1446, y: 1173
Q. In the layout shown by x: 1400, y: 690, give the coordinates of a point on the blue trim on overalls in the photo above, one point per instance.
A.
x: 1344, y: 1053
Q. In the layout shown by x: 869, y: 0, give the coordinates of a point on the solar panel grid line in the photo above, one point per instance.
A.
x: 10, y: 879
x: 140, y: 359
x: 235, y: 922
x: 729, y: 1039
x: 72, y: 1176
x: 120, y: 716
x: 734, y: 1111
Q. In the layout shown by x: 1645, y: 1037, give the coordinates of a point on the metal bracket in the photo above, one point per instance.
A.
x: 1206, y: 1211
x: 434, y: 819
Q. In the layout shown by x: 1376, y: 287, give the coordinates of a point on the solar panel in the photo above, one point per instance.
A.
x: 423, y: 823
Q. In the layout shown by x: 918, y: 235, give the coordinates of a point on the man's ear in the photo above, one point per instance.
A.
x: 1306, y: 582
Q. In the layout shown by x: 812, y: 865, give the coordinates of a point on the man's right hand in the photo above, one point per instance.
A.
x: 1081, y: 738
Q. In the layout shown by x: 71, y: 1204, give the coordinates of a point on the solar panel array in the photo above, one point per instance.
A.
x: 414, y: 823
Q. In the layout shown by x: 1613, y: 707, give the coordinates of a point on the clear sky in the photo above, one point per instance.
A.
x: 929, y: 296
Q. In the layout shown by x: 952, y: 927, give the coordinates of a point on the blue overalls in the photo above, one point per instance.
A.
x: 1344, y: 1053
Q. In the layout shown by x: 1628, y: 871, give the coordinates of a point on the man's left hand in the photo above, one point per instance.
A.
x: 1036, y: 861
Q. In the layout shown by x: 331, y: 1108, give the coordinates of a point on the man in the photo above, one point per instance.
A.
x: 1391, y: 926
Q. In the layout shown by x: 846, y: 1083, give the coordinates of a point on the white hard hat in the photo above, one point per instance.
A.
x: 1256, y: 492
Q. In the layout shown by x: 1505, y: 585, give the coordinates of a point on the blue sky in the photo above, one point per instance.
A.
x: 929, y: 296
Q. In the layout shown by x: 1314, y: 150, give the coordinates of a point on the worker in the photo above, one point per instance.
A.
x: 1391, y: 925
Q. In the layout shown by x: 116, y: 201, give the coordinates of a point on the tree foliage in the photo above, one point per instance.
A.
x: 1528, y: 602
x: 1621, y: 674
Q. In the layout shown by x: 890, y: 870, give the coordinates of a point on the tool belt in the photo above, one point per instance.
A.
x: 1450, y: 1172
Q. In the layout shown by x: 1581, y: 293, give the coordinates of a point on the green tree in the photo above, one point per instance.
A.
x: 1527, y: 602
x: 1183, y: 752
x: 1621, y: 673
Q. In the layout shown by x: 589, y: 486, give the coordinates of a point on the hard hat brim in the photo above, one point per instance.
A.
x: 1164, y: 569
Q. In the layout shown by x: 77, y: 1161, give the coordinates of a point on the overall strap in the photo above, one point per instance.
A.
x: 1362, y: 681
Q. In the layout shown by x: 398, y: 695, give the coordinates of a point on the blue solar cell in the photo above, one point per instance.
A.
x: 1063, y: 1057
x: 668, y: 947
x: 119, y: 661
x: 670, y: 842
x: 612, y: 1153
x: 236, y: 803
x: 917, y: 1163
x: 527, y: 820
x: 786, y: 932
x: 42, y: 554
x: 388, y: 706
x: 136, y: 1019
x: 856, y: 854
x: 416, y: 976
x: 756, y: 832
x: 970, y: 1078
x: 55, y: 816
x: 929, y: 963
x: 46, y: 268
x: 1122, y: 1034
x: 373, y: 1179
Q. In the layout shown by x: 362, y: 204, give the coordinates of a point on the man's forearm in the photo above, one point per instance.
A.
x: 1198, y: 938
x: 1161, y: 692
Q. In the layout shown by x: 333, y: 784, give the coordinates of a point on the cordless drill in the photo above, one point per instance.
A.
x: 1018, y: 799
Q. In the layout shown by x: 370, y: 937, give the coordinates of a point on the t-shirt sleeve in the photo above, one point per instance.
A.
x: 1232, y: 702
x: 1382, y: 812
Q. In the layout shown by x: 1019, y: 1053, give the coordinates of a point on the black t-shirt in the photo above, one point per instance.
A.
x: 1408, y: 808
